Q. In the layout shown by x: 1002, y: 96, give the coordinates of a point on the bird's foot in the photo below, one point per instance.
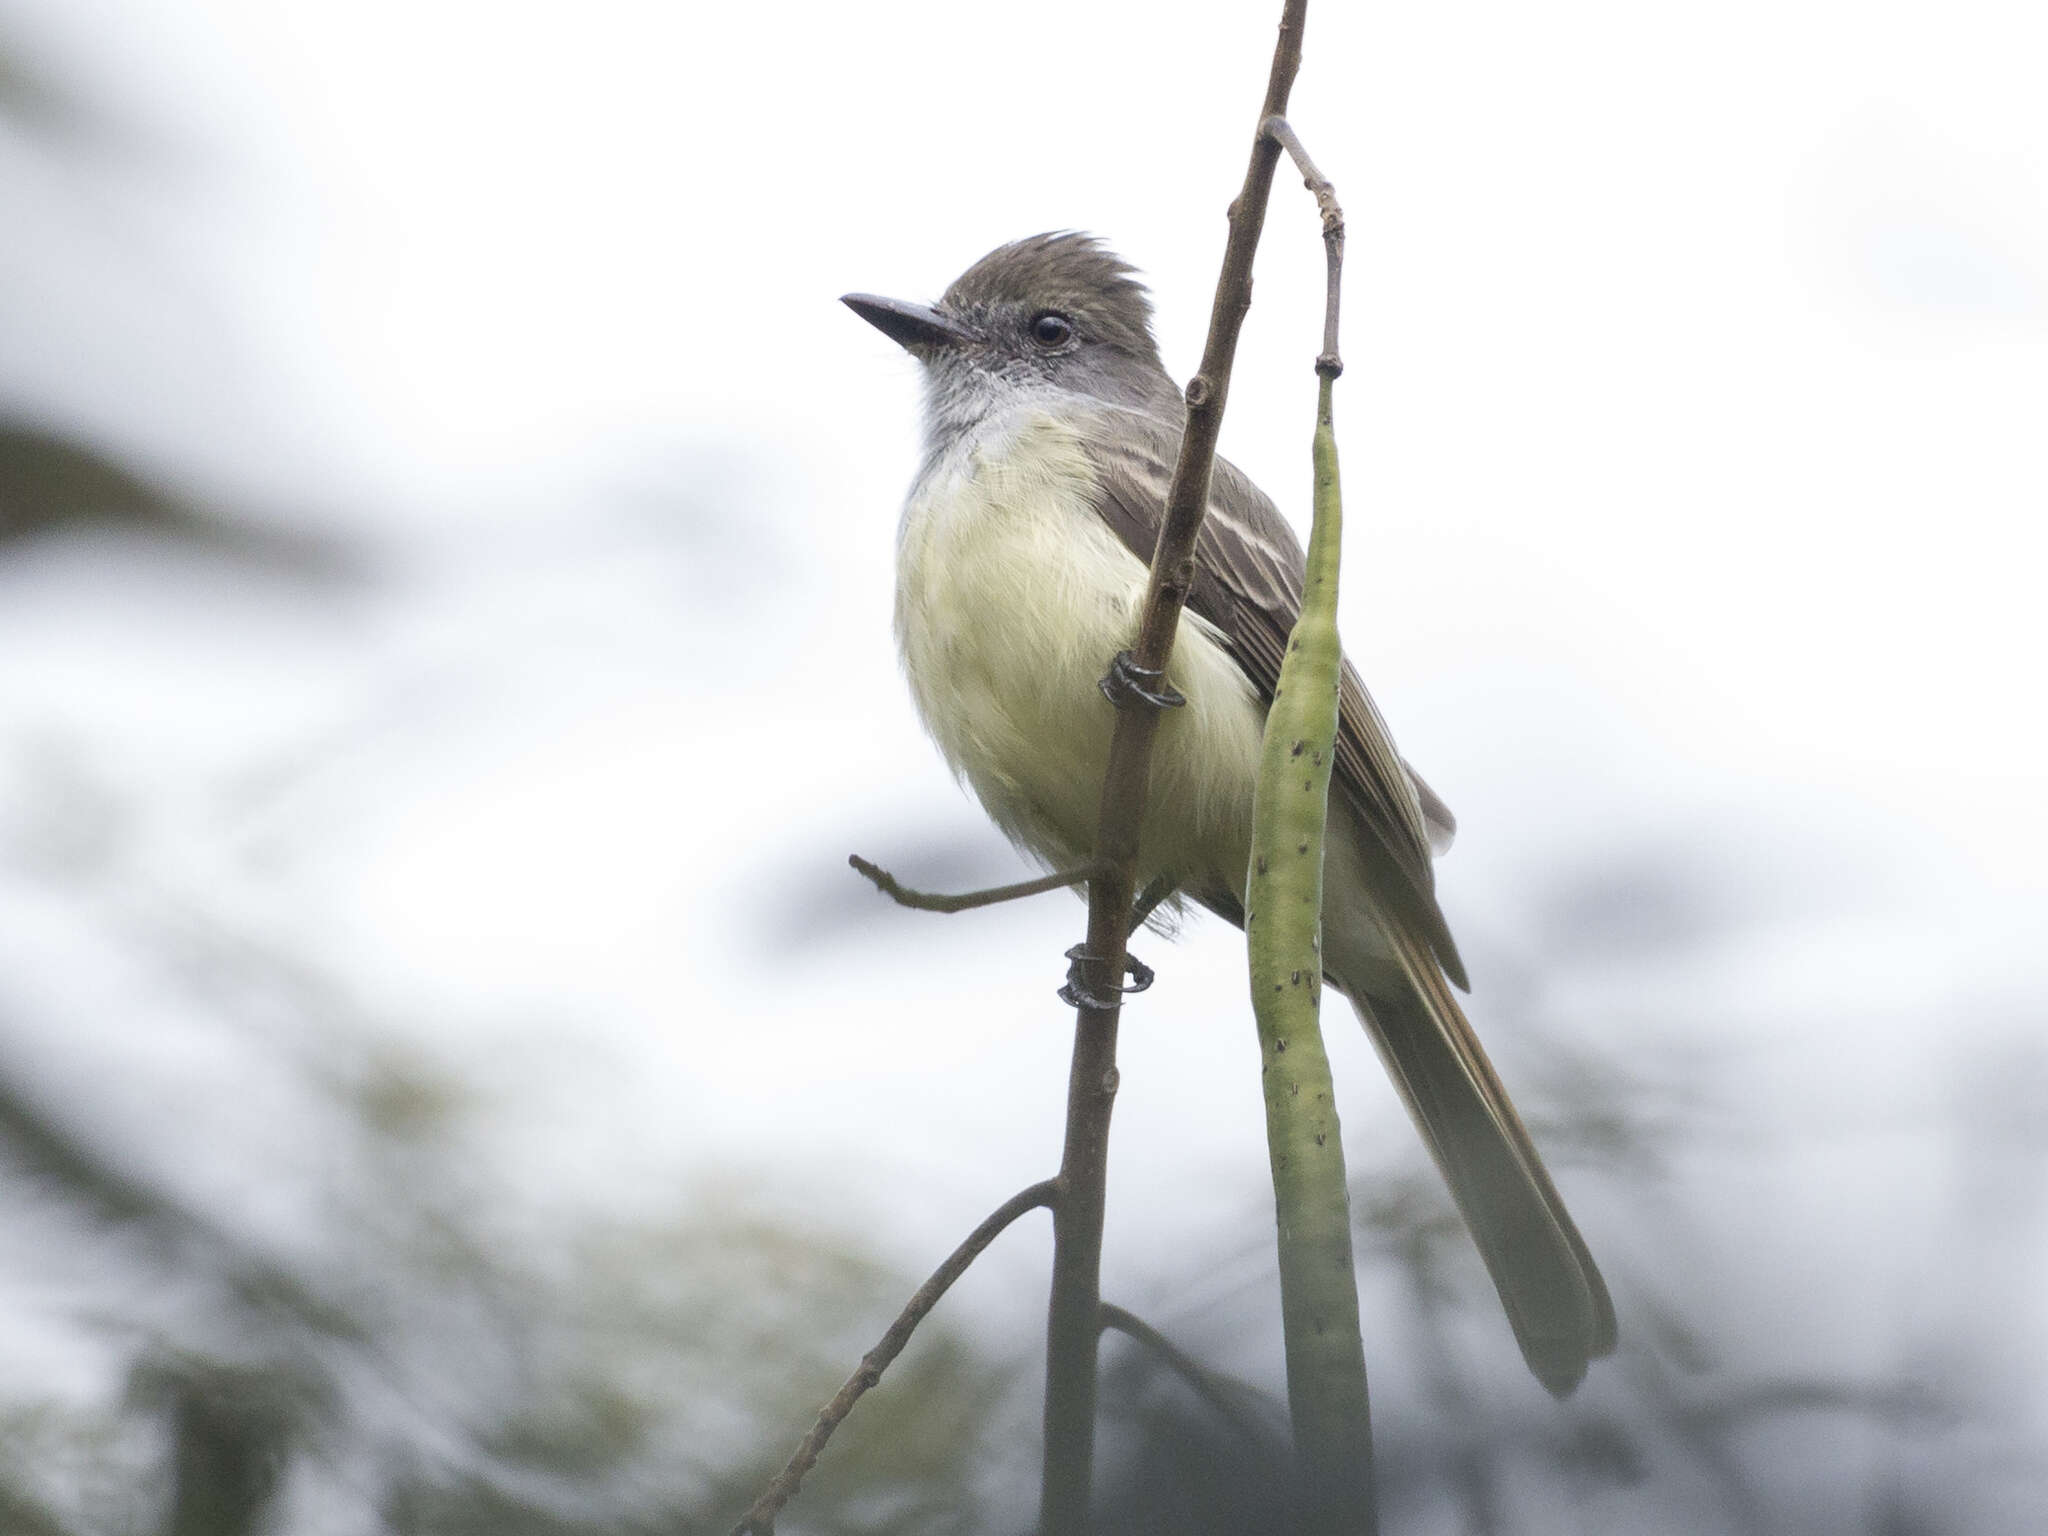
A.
x: 1129, y: 686
x: 1078, y: 993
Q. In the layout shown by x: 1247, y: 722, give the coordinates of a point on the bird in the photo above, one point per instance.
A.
x: 1051, y: 428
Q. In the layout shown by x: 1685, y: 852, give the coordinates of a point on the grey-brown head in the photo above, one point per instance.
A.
x: 1055, y: 311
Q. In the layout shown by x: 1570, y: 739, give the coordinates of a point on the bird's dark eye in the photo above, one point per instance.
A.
x: 1051, y: 330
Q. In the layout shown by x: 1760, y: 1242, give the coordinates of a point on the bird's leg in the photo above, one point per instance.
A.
x: 1130, y: 686
x: 1077, y: 993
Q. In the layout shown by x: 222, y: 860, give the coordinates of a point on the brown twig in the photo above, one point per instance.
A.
x: 1329, y: 364
x: 1073, y: 1323
x: 759, y: 1520
x: 967, y: 901
x: 1206, y: 1384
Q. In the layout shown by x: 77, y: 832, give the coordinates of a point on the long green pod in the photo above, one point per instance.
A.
x: 1326, y: 1388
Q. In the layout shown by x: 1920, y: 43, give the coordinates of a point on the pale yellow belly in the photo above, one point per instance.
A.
x: 1012, y: 596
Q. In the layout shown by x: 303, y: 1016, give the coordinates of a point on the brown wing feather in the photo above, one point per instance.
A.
x: 1248, y: 584
x: 1555, y: 1298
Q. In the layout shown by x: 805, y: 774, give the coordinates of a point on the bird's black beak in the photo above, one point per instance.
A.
x: 914, y: 327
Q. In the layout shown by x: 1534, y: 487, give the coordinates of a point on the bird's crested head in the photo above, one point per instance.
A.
x: 1058, y: 311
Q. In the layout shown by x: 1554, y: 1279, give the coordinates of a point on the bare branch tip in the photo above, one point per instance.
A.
x: 967, y: 901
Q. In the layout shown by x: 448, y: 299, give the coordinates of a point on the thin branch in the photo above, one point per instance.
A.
x: 967, y: 901
x: 1330, y: 363
x: 1206, y: 1384
x: 759, y: 1520
x: 1073, y: 1324
x: 1327, y: 1397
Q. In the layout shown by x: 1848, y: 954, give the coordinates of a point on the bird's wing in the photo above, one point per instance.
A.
x: 1248, y: 582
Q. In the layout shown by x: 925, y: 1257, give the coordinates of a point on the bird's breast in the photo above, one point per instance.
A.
x: 1012, y: 596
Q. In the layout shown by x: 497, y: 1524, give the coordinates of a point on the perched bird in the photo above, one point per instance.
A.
x: 1051, y: 430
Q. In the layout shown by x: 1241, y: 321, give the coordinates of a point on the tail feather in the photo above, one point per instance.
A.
x: 1555, y: 1299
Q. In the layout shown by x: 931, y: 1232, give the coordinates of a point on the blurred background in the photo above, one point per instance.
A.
x: 450, y: 1081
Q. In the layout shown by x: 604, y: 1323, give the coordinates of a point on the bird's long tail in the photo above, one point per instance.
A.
x: 1555, y: 1298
